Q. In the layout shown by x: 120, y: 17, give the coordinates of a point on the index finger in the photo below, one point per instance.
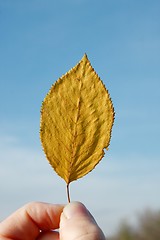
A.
x: 27, y: 222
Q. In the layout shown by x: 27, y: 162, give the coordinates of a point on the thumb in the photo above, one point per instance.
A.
x: 78, y: 224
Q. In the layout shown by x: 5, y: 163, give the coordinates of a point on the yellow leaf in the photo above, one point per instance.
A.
x: 76, y: 121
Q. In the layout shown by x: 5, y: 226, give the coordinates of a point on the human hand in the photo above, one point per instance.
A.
x: 39, y: 221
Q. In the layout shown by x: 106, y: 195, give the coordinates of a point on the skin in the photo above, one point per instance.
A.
x: 40, y: 221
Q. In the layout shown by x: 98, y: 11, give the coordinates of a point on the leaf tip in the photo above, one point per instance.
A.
x: 85, y: 57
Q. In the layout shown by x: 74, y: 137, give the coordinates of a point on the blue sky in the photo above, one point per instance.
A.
x: 42, y: 39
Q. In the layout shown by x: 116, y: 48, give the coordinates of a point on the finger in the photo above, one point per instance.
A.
x: 27, y: 222
x: 77, y: 223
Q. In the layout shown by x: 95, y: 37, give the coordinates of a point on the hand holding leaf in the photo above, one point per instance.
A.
x: 76, y: 122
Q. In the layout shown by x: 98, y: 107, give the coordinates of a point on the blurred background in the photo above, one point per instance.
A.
x: 39, y: 41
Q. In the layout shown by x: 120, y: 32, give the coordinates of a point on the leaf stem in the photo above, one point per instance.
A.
x: 68, y: 194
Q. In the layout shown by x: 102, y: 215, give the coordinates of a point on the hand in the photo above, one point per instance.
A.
x: 40, y: 220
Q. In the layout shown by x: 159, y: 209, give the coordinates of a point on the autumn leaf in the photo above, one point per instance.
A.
x: 76, y: 122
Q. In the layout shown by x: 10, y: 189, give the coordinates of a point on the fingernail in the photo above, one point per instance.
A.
x: 73, y: 209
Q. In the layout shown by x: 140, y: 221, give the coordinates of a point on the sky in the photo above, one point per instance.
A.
x: 40, y: 40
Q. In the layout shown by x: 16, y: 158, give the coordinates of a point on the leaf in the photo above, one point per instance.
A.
x: 76, y: 121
